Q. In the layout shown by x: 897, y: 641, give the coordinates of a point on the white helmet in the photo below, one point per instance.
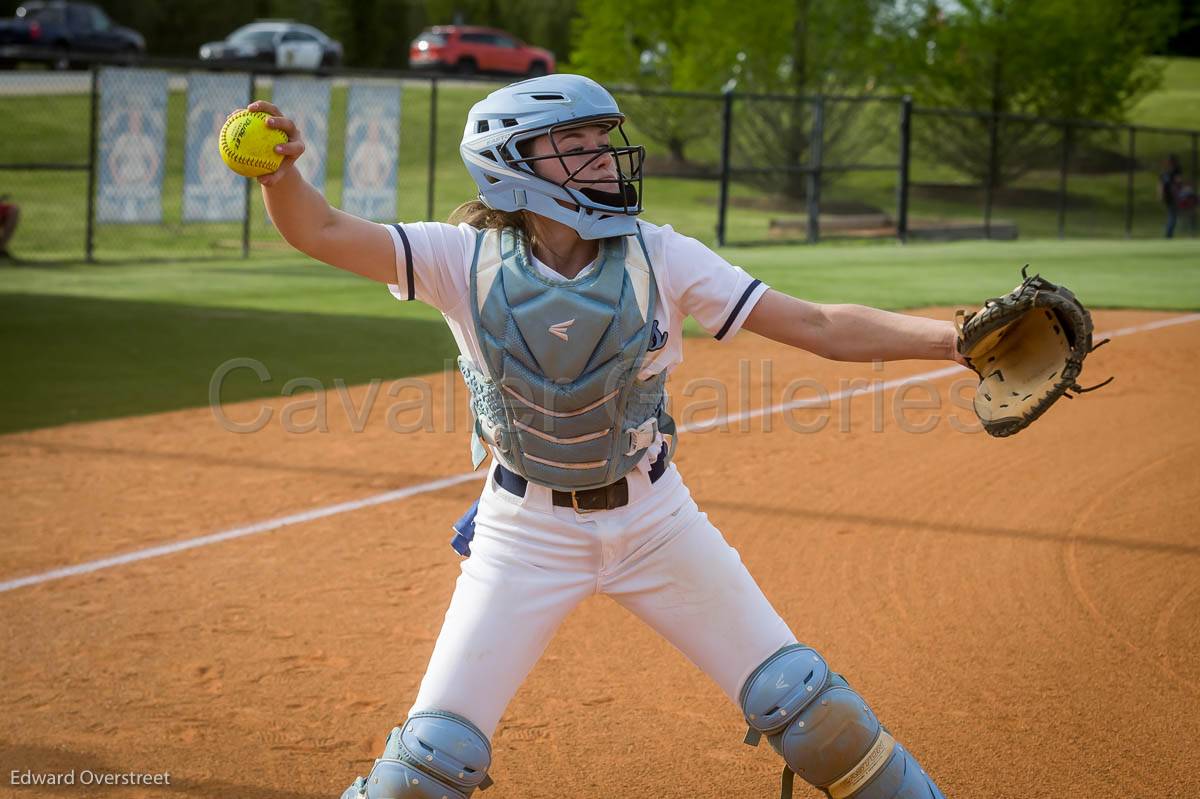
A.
x: 500, y: 122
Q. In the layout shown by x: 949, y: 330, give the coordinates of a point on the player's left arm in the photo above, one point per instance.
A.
x: 852, y: 332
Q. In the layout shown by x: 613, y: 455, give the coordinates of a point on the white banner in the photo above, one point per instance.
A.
x: 372, y: 151
x: 212, y: 192
x: 305, y: 101
x: 132, y: 146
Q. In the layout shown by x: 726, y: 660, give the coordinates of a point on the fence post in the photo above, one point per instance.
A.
x: 89, y: 246
x: 433, y: 105
x: 1129, y: 182
x: 813, y: 190
x: 249, y: 182
x: 993, y: 167
x: 1063, y: 166
x: 726, y: 141
x: 906, y: 107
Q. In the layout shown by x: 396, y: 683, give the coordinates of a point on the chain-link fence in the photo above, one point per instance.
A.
x: 45, y: 158
x: 808, y: 168
x: 120, y: 162
x: 1042, y: 178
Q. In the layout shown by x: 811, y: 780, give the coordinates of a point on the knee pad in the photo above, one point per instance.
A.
x: 825, y: 732
x: 435, y: 755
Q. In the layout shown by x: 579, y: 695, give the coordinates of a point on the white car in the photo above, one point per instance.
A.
x: 282, y: 43
x: 298, y: 50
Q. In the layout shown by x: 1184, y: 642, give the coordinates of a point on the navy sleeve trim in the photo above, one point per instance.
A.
x: 408, y: 264
x: 737, y: 309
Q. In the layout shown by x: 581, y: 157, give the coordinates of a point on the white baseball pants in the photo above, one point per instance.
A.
x: 531, y: 563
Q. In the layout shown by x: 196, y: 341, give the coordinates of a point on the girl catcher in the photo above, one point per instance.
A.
x: 567, y: 310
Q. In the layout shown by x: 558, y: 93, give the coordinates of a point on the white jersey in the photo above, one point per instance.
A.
x: 531, y: 562
x: 692, y: 281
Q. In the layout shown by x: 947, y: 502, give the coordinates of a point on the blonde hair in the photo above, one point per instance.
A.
x: 478, y: 215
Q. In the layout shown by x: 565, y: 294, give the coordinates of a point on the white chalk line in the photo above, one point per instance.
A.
x: 446, y: 482
x: 237, y: 532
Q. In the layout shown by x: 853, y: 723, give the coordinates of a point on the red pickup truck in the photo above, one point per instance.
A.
x: 467, y: 50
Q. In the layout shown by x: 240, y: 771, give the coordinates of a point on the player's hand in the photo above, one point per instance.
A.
x: 290, y: 151
x: 952, y: 346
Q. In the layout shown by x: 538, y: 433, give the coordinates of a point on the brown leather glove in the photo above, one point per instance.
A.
x: 1028, y: 349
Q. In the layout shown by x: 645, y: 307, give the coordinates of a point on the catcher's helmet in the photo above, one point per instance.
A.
x: 497, y: 126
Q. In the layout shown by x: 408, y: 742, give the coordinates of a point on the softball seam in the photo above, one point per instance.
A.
x: 241, y: 160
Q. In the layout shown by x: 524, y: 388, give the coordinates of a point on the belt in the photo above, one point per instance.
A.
x: 613, y: 495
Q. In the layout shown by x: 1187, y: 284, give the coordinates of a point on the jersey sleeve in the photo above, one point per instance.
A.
x: 708, y: 288
x: 432, y: 262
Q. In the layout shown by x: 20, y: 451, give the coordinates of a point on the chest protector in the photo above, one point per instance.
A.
x: 560, y: 400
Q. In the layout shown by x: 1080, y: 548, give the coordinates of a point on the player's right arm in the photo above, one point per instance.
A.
x: 309, y: 223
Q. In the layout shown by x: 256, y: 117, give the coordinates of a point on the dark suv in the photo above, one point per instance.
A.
x: 467, y: 49
x: 66, y: 32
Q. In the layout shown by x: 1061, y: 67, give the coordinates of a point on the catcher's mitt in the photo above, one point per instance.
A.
x: 1027, y: 348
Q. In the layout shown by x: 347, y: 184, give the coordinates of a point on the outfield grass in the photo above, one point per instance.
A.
x: 54, y: 129
x: 1177, y: 103
x: 89, y: 342
x: 96, y: 342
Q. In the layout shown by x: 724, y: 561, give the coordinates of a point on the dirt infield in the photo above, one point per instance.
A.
x: 1035, y: 632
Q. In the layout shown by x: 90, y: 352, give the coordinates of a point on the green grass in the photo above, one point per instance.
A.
x: 143, y: 330
x: 77, y: 358
x: 1177, y: 103
x: 1104, y: 274
x: 54, y: 129
x: 85, y: 342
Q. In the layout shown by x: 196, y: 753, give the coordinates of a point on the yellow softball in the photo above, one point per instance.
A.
x: 248, y: 145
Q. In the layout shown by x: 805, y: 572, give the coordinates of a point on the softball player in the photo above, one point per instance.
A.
x: 567, y: 310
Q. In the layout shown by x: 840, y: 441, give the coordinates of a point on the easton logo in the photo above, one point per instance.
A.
x: 658, y: 339
x: 560, y: 328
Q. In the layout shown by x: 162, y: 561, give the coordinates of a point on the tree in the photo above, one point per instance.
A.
x: 1034, y: 57
x: 798, y: 47
x: 813, y: 48
x: 179, y: 28
x: 373, y: 33
x: 653, y: 45
x: 1186, y: 39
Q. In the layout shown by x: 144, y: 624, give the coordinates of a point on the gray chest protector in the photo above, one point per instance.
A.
x: 560, y: 400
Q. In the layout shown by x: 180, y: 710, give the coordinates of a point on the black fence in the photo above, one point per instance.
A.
x: 731, y: 169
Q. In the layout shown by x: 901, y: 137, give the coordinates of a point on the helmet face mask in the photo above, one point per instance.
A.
x: 497, y: 151
x: 620, y: 194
